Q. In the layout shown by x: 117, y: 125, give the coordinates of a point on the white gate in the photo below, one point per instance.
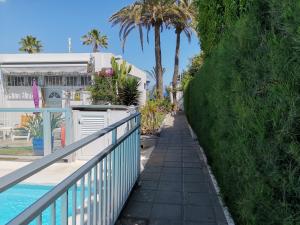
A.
x: 89, y: 123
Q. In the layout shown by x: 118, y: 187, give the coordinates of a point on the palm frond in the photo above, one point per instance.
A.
x: 96, y: 39
x: 142, y: 14
x: 30, y: 45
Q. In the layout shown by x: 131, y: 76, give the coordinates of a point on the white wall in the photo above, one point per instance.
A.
x: 179, y: 97
x: 14, y: 118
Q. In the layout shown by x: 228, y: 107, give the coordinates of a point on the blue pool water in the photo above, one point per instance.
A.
x: 19, y: 197
x: 16, y: 199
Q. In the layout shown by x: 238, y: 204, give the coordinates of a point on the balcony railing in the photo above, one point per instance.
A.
x: 97, y: 191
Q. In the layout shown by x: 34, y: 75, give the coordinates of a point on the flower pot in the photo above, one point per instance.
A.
x: 38, y: 145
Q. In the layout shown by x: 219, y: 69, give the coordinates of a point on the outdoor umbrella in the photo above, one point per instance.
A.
x: 35, y: 94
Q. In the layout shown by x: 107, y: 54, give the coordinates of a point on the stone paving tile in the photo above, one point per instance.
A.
x: 192, y: 165
x: 195, y: 178
x: 189, y: 159
x: 198, y: 223
x: 192, y: 155
x: 150, y: 176
x: 166, y: 211
x: 149, y: 184
x: 164, y: 222
x: 195, y: 198
x: 157, y: 163
x: 173, y: 164
x: 175, y: 188
x: 198, y: 213
x: 196, y: 187
x: 173, y: 159
x: 138, y: 210
x: 171, y: 177
x: 171, y: 197
x: 171, y: 170
x: 170, y: 186
x: 197, y: 171
x: 152, y: 169
x: 143, y: 195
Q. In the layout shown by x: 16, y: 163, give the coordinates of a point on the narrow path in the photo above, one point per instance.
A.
x: 176, y: 188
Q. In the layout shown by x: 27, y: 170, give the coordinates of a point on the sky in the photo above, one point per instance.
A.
x: 54, y: 21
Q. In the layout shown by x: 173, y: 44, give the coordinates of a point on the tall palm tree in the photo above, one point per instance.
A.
x: 182, y: 21
x: 95, y: 39
x: 146, y: 14
x: 30, y: 45
x: 152, y: 74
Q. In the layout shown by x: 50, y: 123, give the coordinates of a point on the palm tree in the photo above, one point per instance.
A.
x: 95, y: 39
x: 146, y: 14
x: 30, y: 45
x: 152, y: 74
x: 182, y: 21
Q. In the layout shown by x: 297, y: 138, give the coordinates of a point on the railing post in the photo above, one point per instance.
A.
x: 64, y: 209
x: 138, y: 120
x: 47, y: 132
x: 69, y: 131
x: 113, y: 174
x: 69, y: 127
x: 114, y: 136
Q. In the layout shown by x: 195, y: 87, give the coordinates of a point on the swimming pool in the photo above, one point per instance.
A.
x: 17, y: 198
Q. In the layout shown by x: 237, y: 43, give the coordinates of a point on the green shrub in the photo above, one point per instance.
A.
x: 128, y: 91
x: 35, y: 125
x: 244, y: 105
x: 103, y: 90
x: 117, y: 87
x: 153, y: 114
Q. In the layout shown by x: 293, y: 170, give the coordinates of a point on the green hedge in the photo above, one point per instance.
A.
x: 244, y: 105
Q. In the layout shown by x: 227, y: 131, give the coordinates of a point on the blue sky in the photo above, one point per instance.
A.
x: 54, y: 21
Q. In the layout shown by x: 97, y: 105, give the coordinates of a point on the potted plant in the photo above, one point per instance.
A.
x: 35, y: 127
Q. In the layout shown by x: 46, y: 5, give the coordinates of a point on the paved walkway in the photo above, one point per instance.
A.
x: 175, y: 186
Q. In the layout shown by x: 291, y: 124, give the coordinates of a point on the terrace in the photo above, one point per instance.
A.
x: 172, y: 186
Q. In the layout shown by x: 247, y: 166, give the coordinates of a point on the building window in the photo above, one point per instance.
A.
x: 14, y: 81
x: 86, y: 80
x: 30, y: 79
x: 71, y: 81
x: 53, y: 81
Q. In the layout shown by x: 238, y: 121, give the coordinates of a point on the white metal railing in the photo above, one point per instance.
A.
x: 96, y: 192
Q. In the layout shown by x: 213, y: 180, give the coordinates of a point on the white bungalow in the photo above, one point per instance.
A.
x: 62, y: 78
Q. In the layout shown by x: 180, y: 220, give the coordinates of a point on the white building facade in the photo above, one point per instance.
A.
x: 62, y: 78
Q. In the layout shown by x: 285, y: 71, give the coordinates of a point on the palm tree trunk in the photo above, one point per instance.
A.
x: 158, y: 67
x: 176, y: 69
x: 95, y: 48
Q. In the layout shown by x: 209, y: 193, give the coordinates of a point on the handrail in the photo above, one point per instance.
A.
x: 45, y: 201
x: 34, y: 110
x: 21, y: 174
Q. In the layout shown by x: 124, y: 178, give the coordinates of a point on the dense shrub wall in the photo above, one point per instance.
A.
x: 244, y: 104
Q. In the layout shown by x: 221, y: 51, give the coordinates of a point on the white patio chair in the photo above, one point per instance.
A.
x: 20, y: 133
